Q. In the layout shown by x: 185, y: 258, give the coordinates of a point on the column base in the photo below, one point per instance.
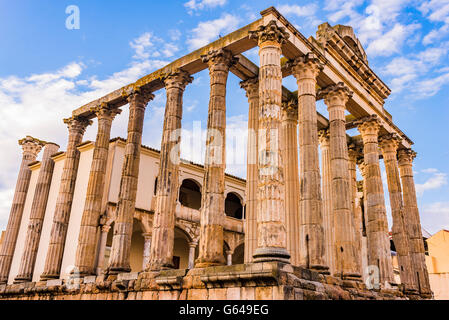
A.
x: 271, y: 254
x: 349, y: 276
x: 45, y: 277
x: 22, y: 279
x: 117, y: 270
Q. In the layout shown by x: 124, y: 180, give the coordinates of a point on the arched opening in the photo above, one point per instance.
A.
x: 238, y: 256
x: 190, y: 194
x: 137, y: 243
x: 181, y: 250
x: 233, y: 206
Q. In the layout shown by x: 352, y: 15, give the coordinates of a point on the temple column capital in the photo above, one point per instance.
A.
x: 251, y: 86
x: 271, y: 34
x: 77, y: 124
x: 289, y: 111
x: 306, y: 67
x: 219, y: 60
x: 389, y: 144
x: 31, y: 147
x: 369, y: 128
x: 177, y: 79
x: 406, y: 156
x: 323, y: 138
x: 335, y: 95
x: 140, y: 96
x: 105, y: 111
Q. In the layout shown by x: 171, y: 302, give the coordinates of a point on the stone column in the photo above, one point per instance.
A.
x: 212, y: 210
x: 161, y: 256
x: 377, y: 226
x: 328, y: 217
x: 413, y: 223
x: 289, y: 152
x: 123, y: 226
x: 229, y: 254
x: 102, y: 247
x: 37, y: 214
x: 77, y: 126
x: 251, y: 87
x: 389, y: 146
x: 192, y: 248
x: 271, y: 228
x: 146, y: 249
x: 356, y: 209
x: 87, y: 239
x: 31, y: 148
x: 305, y: 70
x: 346, y: 264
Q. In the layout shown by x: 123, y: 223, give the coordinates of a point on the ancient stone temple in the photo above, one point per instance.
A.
x: 113, y: 219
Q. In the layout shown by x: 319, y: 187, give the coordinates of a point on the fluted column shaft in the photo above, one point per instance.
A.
x: 346, y: 264
x: 37, y: 214
x: 77, y: 126
x: 289, y: 152
x: 389, y: 146
x: 31, y: 147
x: 212, y: 210
x: 123, y: 226
x: 413, y: 223
x: 377, y: 226
x: 87, y: 239
x: 356, y: 209
x: 102, y: 247
x: 328, y: 217
x: 305, y: 70
x: 271, y: 228
x: 251, y: 87
x: 162, y: 243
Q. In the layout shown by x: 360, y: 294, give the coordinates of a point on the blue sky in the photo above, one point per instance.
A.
x: 47, y: 70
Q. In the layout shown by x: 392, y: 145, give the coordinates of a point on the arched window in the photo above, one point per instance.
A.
x: 155, y: 186
x: 190, y: 194
x: 233, y: 206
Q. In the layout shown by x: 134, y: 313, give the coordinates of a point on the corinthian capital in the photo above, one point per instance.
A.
x: 323, y: 137
x: 368, y: 126
x: 31, y: 146
x: 220, y: 57
x: 337, y: 94
x: 307, y: 66
x: 389, y: 143
x: 290, y: 110
x: 105, y: 111
x: 270, y: 33
x: 77, y: 124
x: 406, y: 156
x: 140, y: 95
x: 177, y: 79
x: 251, y: 86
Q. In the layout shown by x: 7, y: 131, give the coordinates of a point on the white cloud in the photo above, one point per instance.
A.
x: 412, y: 72
x: 436, y: 181
x: 392, y: 41
x: 435, y: 216
x: 299, y: 11
x: 208, y: 31
x: 196, y: 5
x: 436, y: 11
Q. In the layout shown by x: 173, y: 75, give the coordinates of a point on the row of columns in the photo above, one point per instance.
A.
x: 288, y: 215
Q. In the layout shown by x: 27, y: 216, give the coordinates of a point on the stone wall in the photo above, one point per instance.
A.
x: 259, y: 281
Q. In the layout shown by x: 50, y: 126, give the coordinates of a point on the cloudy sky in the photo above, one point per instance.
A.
x: 47, y: 70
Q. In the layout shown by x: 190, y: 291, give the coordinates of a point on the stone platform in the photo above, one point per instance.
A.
x: 258, y: 281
